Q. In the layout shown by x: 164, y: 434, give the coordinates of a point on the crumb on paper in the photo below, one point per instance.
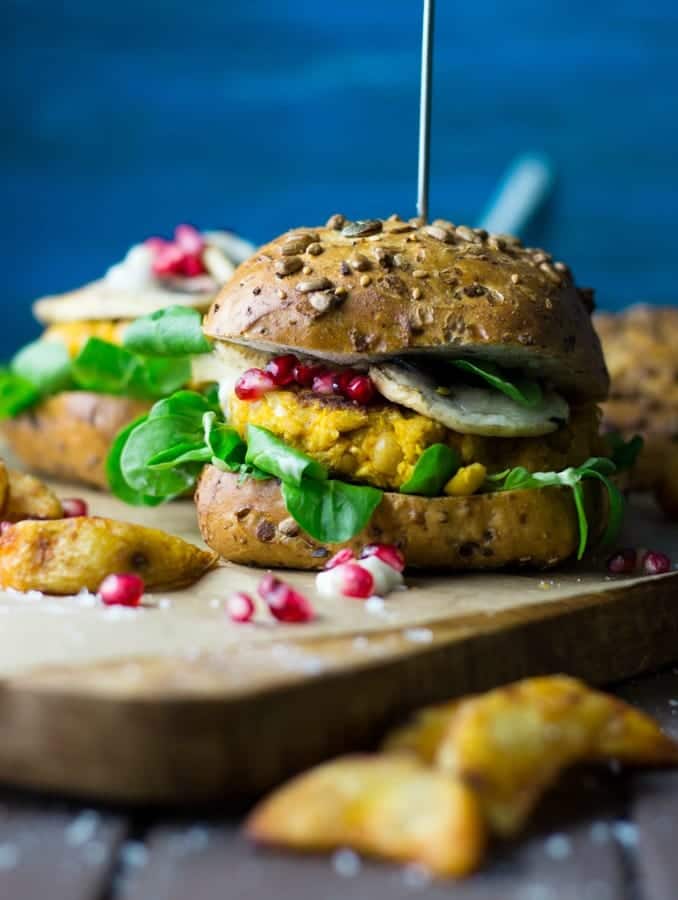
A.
x: 375, y: 605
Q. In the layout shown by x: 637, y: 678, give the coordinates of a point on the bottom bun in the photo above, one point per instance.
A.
x: 246, y: 522
x: 68, y: 435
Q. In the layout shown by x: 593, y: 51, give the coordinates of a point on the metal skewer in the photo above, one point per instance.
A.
x: 425, y: 109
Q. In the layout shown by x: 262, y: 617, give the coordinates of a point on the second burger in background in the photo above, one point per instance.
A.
x: 641, y: 349
x: 433, y: 387
x: 64, y: 397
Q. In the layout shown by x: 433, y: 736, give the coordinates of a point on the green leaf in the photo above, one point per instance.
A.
x: 330, y: 511
x: 525, y: 391
x: 151, y: 438
x: 116, y: 480
x: 616, y: 505
x: 163, y: 456
x: 45, y: 364
x: 225, y: 445
x: 179, y: 454
x: 211, y: 394
x: 434, y: 468
x: 161, y: 376
x: 108, y: 369
x: 624, y: 453
x: 174, y: 331
x: 16, y: 394
x: 270, y: 454
x: 105, y: 368
x: 597, y: 467
x: 184, y: 404
x: 582, y: 521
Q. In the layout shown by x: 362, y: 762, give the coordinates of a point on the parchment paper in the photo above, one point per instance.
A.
x: 39, y: 631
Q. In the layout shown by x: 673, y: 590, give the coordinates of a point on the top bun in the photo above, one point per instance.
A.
x: 356, y: 292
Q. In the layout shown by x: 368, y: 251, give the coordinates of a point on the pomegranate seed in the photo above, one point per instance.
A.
x: 304, y: 374
x: 655, y: 563
x: 282, y: 369
x: 343, y: 556
x: 121, y: 589
x: 189, y: 239
x: 74, y: 506
x: 192, y: 265
x: 341, y: 380
x: 360, y: 389
x: 240, y: 607
x: 623, y: 562
x: 285, y: 604
x: 156, y: 243
x: 323, y: 384
x: 356, y: 581
x: 168, y: 261
x: 253, y: 384
x: 387, y: 553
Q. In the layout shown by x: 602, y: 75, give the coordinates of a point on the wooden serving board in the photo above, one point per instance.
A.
x: 172, y: 703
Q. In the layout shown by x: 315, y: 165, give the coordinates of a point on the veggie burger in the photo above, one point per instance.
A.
x: 429, y: 386
x: 65, y: 396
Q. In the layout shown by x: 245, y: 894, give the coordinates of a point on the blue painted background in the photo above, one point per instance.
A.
x: 119, y: 120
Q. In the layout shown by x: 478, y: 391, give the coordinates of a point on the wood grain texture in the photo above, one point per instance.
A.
x: 192, y: 693
x: 581, y: 845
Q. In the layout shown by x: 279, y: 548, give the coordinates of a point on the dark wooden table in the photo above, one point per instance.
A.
x: 601, y: 835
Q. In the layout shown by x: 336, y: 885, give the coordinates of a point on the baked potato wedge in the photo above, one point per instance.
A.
x: 510, y: 744
x: 391, y: 807
x: 26, y: 497
x: 65, y: 555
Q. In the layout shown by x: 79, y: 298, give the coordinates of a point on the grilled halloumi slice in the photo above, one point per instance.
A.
x: 468, y: 409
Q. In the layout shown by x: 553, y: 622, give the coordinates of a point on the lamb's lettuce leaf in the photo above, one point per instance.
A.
x: 162, y: 454
x: 44, y: 364
x: 174, y: 331
x: 330, y: 511
x: 109, y: 369
x: 525, y: 391
x: 16, y: 394
x: 597, y: 467
x: 434, y: 468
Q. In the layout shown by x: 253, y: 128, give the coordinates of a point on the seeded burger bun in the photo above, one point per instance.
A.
x: 380, y: 289
x: 640, y: 347
x: 68, y: 435
x: 389, y: 298
x: 246, y: 522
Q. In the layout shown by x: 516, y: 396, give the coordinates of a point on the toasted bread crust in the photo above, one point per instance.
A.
x: 406, y: 289
x: 246, y: 522
x: 68, y: 435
